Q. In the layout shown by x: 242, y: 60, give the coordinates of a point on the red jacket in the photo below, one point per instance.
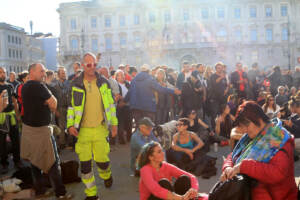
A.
x: 276, y: 179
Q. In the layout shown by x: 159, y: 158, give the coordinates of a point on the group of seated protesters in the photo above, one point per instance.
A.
x: 264, y: 153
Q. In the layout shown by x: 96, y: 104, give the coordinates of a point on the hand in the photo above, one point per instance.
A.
x: 73, y: 131
x: 114, y: 130
x: 288, y: 123
x: 189, y: 153
x: 117, y: 97
x: 235, y: 170
x: 121, y: 104
x: 177, y: 91
x: 225, y: 174
x: 190, y: 194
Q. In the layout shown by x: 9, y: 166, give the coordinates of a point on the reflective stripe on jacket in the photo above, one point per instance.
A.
x: 77, y: 102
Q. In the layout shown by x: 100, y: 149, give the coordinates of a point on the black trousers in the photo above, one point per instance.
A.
x: 181, y: 186
x: 39, y: 183
x: 54, y: 175
x: 125, y: 122
x: 15, y: 144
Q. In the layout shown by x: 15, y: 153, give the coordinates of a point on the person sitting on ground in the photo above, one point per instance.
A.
x: 224, y: 123
x: 199, y: 127
x: 157, y: 175
x: 281, y: 98
x: 186, y: 152
x: 270, y: 108
x: 264, y: 153
x: 140, y: 137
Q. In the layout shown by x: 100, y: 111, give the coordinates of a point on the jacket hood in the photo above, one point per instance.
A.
x: 142, y: 76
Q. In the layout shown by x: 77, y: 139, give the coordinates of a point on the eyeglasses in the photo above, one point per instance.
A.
x: 89, y: 65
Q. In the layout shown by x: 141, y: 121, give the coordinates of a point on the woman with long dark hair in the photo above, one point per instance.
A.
x: 264, y: 153
x: 157, y: 175
x: 224, y: 121
x: 270, y: 108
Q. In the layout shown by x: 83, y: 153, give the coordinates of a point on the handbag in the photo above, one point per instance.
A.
x: 237, y: 188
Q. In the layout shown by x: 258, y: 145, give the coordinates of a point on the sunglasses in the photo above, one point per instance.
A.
x: 91, y: 65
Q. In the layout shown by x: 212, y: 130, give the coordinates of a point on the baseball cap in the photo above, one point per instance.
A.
x: 146, y: 121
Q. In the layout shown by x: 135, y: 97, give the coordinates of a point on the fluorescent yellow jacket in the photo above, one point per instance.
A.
x: 77, y: 102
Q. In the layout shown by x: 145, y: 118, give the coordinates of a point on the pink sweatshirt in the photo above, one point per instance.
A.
x: 150, y: 178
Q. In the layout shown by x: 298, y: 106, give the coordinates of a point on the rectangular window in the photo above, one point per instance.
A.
x: 269, y: 34
x: 8, y: 38
x: 12, y: 39
x: 285, y: 34
x: 136, y: 19
x: 107, y: 22
x: 137, y: 40
x: 204, y: 13
x: 151, y: 18
x: 123, y: 41
x: 73, y: 24
x: 122, y: 20
x: 269, y: 11
x: 238, y: 35
x: 94, y: 22
x: 221, y: 13
x: 13, y: 54
x: 254, y: 56
x: 167, y: 16
x: 74, y: 44
x: 237, y: 13
x: 253, y: 35
x: 19, y: 41
x: 21, y: 54
x: 108, y: 43
x: 9, y: 53
x: 186, y: 15
x: 95, y: 44
x: 17, y: 54
x: 253, y: 12
x: 284, y: 10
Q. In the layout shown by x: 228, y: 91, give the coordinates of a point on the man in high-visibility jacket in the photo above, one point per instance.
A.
x: 91, y: 113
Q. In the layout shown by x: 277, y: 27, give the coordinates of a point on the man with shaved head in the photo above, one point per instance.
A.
x: 91, y: 113
x: 37, y: 143
x: 12, y: 115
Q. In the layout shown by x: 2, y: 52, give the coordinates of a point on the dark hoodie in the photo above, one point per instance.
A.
x: 140, y: 94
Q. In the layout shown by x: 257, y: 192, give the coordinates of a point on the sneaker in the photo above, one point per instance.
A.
x: 92, y: 198
x: 65, y: 197
x: 108, y: 183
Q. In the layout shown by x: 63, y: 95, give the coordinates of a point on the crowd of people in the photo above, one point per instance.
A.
x: 256, y: 112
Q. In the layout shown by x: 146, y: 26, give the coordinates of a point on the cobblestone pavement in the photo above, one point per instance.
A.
x: 125, y: 186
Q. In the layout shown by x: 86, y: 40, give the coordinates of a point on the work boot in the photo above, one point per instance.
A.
x: 108, y: 183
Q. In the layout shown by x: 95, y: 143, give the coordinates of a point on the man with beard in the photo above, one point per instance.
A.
x: 11, y: 114
x: 62, y: 89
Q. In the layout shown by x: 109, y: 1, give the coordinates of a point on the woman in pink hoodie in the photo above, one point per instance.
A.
x: 157, y: 175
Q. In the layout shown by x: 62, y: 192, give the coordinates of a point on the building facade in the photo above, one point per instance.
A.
x: 49, y: 44
x: 171, y: 31
x: 17, y: 49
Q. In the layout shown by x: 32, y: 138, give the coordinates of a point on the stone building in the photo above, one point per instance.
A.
x: 170, y: 31
x: 17, y: 49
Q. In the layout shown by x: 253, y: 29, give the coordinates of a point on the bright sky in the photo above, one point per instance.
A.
x: 41, y: 12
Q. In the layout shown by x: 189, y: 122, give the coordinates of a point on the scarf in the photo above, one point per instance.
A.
x: 263, y: 147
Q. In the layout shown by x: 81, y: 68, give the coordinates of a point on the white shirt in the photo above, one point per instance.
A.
x: 124, y: 89
x: 271, y: 113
